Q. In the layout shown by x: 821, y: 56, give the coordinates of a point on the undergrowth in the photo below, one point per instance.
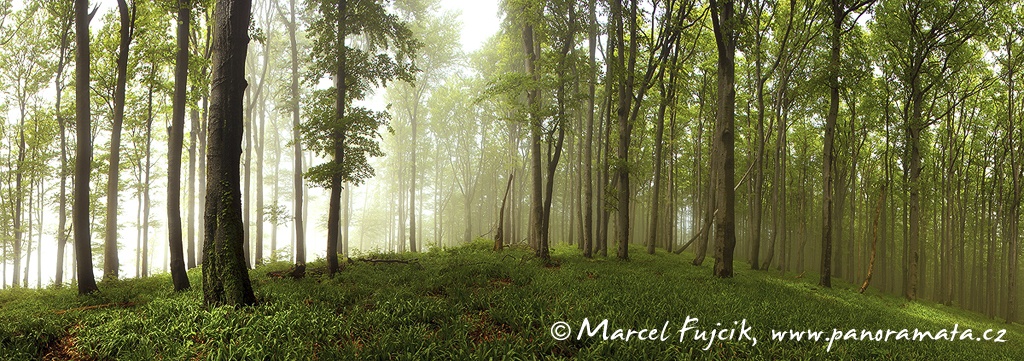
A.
x: 472, y: 303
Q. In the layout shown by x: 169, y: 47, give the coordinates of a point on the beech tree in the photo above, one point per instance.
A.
x: 83, y: 151
x: 723, y: 161
x: 349, y: 136
x: 178, y: 273
x: 225, y: 274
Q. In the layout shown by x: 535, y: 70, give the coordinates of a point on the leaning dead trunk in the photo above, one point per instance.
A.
x: 499, y: 237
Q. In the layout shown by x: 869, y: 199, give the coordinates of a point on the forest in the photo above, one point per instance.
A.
x: 457, y: 179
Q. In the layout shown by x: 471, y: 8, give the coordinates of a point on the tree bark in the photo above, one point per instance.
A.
x: 190, y: 250
x: 537, y: 236
x: 668, y: 95
x: 225, y: 275
x: 110, y: 262
x: 177, y: 259
x: 412, y: 182
x: 625, y: 89
x: 340, y: 102
x: 146, y: 185
x: 62, y: 234
x: 83, y: 152
x: 297, y: 204
x: 724, y: 162
x: 828, y: 160
x: 588, y: 150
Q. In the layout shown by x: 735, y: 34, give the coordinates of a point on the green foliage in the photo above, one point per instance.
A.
x: 471, y: 303
x: 385, y: 55
x: 362, y: 133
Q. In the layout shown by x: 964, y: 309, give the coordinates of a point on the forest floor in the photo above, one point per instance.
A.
x: 472, y: 303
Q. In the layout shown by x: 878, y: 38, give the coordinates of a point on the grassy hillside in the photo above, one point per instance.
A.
x: 471, y: 303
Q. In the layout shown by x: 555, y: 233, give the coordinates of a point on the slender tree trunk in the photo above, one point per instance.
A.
x: 190, y: 251
x: 18, y: 196
x: 622, y: 111
x: 260, y: 146
x: 412, y: 183
x: 39, y: 241
x: 110, y: 261
x: 537, y: 236
x: 62, y: 234
x: 146, y: 184
x: 588, y: 150
x: 247, y: 176
x: 83, y: 152
x: 668, y: 94
x: 138, y: 223
x: 275, y: 195
x: 725, y: 194
x: 177, y: 259
x: 340, y: 101
x: 204, y: 121
x: 300, y: 240
x: 1014, y: 147
x: 757, y: 201
x: 828, y: 160
x: 28, y: 246
x: 225, y: 274
x: 914, y: 165
x: 346, y: 204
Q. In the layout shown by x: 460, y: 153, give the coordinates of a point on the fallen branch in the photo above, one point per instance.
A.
x: 700, y: 232
x: 371, y: 260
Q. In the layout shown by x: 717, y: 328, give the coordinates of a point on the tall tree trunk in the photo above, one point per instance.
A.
x: 667, y: 94
x: 138, y: 223
x: 203, y: 125
x: 110, y: 262
x: 39, y: 241
x: 588, y: 150
x: 18, y: 195
x: 225, y: 274
x: 622, y: 112
x: 190, y: 250
x: 83, y: 151
x: 260, y: 145
x: 412, y: 182
x: 724, y: 162
x: 537, y: 236
x: 346, y: 219
x: 62, y: 234
x: 247, y: 176
x: 1014, y: 149
x: 340, y: 102
x: 177, y: 259
x: 276, y: 192
x: 914, y: 234
x: 28, y: 246
x: 300, y: 240
x: 757, y: 198
x: 146, y: 184
x: 828, y: 160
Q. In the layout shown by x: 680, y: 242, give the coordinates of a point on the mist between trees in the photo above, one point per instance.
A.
x: 874, y: 142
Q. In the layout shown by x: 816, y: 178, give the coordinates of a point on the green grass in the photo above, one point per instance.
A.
x: 471, y: 303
